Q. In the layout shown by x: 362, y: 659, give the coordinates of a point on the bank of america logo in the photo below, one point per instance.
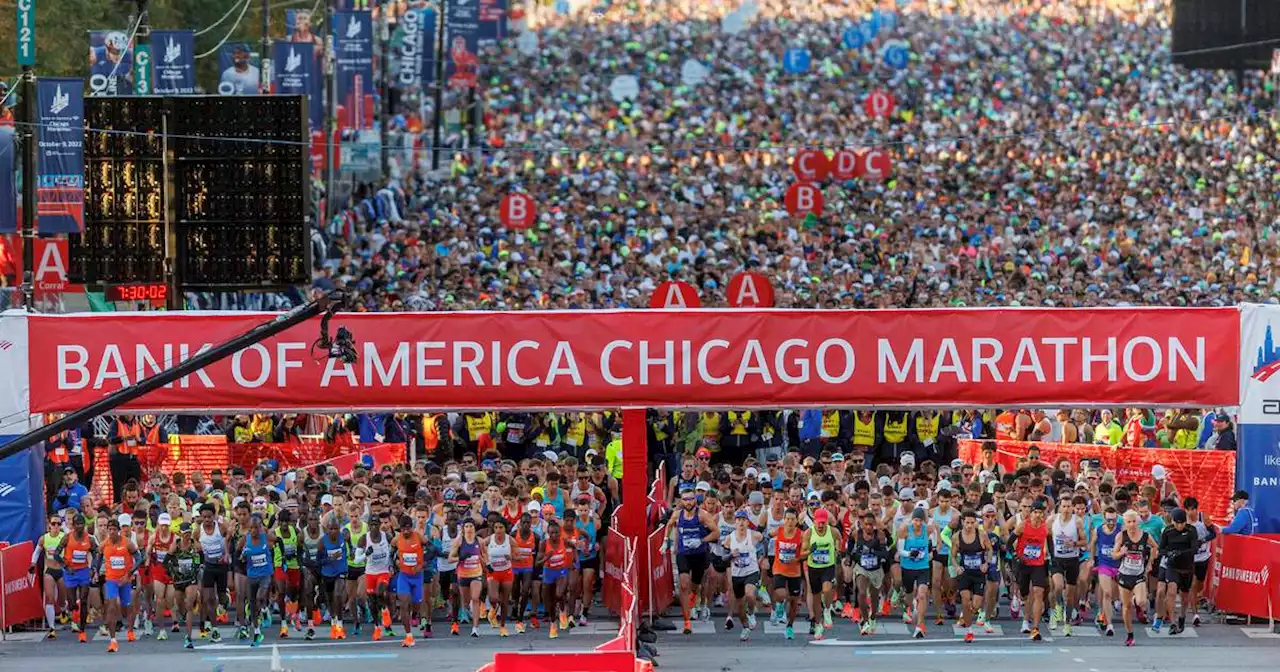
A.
x: 6, y: 489
x: 353, y: 28
x: 61, y: 101
x: 5, y: 345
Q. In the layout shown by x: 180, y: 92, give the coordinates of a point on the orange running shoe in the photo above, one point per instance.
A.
x: 856, y: 614
x: 847, y: 612
x: 453, y: 629
x: 377, y: 633
x: 113, y: 646
x: 555, y: 632
x: 342, y: 632
x: 503, y: 631
x: 564, y: 620
x: 407, y: 642
x: 885, y: 607
x: 83, y: 639
x: 968, y: 638
x: 534, y: 623
x: 131, y: 636
x: 386, y: 617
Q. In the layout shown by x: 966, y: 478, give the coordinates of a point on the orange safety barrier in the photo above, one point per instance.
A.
x: 1207, y: 475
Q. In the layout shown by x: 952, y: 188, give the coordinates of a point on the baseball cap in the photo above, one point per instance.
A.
x: 68, y: 470
x: 550, y: 455
x: 327, y: 499
x: 703, y: 452
x: 907, y: 458
x: 741, y: 514
x: 1178, y: 516
x: 821, y: 516
x: 703, y: 486
x: 1158, y: 471
x: 907, y: 494
x: 164, y: 519
x: 957, y: 463
x: 943, y: 486
x: 884, y: 480
x: 1240, y: 494
x: 532, y: 507
x: 751, y: 472
x: 125, y: 520
x: 184, y: 528
x: 763, y: 478
x: 815, y: 497
x: 755, y: 498
x: 990, y: 508
x: 838, y: 457
x: 919, y: 513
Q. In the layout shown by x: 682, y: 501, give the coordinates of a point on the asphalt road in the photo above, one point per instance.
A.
x: 1211, y: 647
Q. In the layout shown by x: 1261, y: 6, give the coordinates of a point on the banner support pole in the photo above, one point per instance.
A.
x: 437, y: 115
x: 635, y: 486
x: 29, y: 135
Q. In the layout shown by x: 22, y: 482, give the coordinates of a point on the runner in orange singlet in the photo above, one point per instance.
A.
x: 788, y: 546
x: 409, y: 563
x: 524, y: 545
x: 120, y: 562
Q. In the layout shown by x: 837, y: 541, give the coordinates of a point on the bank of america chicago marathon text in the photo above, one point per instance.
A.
x: 624, y: 363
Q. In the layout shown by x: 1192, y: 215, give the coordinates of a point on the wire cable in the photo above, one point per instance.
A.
x: 243, y: 9
x: 217, y: 23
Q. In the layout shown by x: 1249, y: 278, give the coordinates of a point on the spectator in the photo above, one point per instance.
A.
x: 1243, y: 521
x: 1224, y: 434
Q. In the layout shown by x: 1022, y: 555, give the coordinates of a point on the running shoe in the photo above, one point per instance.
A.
x: 102, y: 632
x: 688, y: 627
x: 148, y: 628
x: 534, y: 623
x: 426, y: 629
x: 812, y: 629
x: 564, y: 620
x: 746, y: 634
x: 826, y: 618
x: 519, y: 627
x: 1026, y: 627
x: 779, y: 617
x: 257, y: 639
x: 1195, y: 621
x: 906, y: 615
x: 407, y: 642
x: 175, y: 629
x: 1111, y: 630
x: 864, y: 628
x: 968, y: 637
x: 377, y: 633
x: 502, y: 631
x: 474, y: 631
x: 311, y: 634
x: 1156, y: 625
x: 885, y: 606
x: 1035, y: 634
x: 728, y: 623
x: 113, y: 646
x: 1175, y: 629
x: 453, y: 628
x: 80, y: 637
x: 342, y: 632
x: 790, y: 632
x: 851, y: 612
x: 555, y: 632
x: 751, y: 621
x: 187, y: 643
x: 131, y: 635
x: 1066, y: 629
x: 53, y: 634
x: 1128, y: 640
x: 919, y: 632
x: 818, y: 632
x: 241, y: 633
x: 162, y: 635
x: 582, y: 620
x: 284, y: 631
x: 1059, y: 615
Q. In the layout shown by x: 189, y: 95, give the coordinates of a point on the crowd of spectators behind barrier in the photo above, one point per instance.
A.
x: 1045, y: 153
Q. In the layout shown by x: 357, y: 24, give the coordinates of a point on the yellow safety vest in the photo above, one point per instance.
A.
x: 927, y: 428
x: 242, y: 434
x: 478, y: 424
x: 711, y: 426
x: 895, y: 432
x: 830, y: 424
x: 613, y: 458
x: 738, y: 423
x: 577, y: 434
x: 864, y: 433
x: 659, y: 430
x: 1185, y: 439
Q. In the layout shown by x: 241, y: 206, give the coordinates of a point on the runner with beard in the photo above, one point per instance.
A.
x: 410, y: 558
x: 915, y: 540
x: 1069, y: 539
x: 1108, y: 566
x: 821, y: 544
x: 693, y: 530
x: 868, y: 551
x: 1178, y: 544
x: 1206, y: 532
x: 992, y: 528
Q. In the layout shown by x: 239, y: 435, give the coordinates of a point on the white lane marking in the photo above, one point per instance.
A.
x: 902, y: 642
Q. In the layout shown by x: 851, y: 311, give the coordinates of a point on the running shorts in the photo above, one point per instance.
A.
x: 159, y: 574
x: 214, y: 576
x: 1130, y: 581
x: 466, y: 581
x: 973, y: 581
x: 1069, y: 568
x: 740, y: 584
x: 875, y: 577
x: 372, y: 581
x: 1181, y: 578
x: 327, y: 583
x: 694, y: 565
x: 550, y: 576
x: 257, y: 583
x: 942, y: 559
x: 54, y: 573
x: 592, y: 563
x: 354, y: 573
x: 1107, y: 570
x: 720, y: 564
x: 819, y: 576
x: 912, y: 578
x: 1202, y: 570
x: 122, y: 591
x: 792, y: 584
x: 411, y: 585
x: 1033, y: 576
x: 76, y: 578
x: 505, y: 576
x: 449, y: 578
x: 290, y: 577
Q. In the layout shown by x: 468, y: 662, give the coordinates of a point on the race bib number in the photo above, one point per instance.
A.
x: 972, y: 562
x: 335, y: 555
x: 1133, y: 563
x: 259, y: 559
x: 1105, y: 549
x: 501, y: 564
x: 79, y: 557
x: 185, y: 565
x: 870, y: 561
x: 786, y: 555
x: 117, y: 562
x: 820, y: 557
x: 290, y: 550
x: 161, y: 555
x: 742, y: 560
x: 409, y: 559
x: 1032, y: 551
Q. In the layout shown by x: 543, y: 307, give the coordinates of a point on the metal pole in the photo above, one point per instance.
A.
x: 331, y: 105
x: 474, y: 140
x: 28, y: 135
x: 438, y: 114
x: 174, y: 272
x: 384, y: 38
x: 121, y: 397
x: 264, y: 72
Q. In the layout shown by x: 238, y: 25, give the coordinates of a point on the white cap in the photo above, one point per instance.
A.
x: 944, y: 486
x: 550, y: 455
x: 590, y: 452
x: 922, y: 504
x: 884, y: 480
x: 763, y: 478
x: 907, y: 494
x: 814, y: 496
x: 703, y: 486
x: 533, y: 507
x: 125, y: 520
x: 907, y: 458
x: 1158, y: 472
x: 327, y: 499
x: 236, y: 502
x: 985, y: 475
x: 164, y: 519
x: 751, y: 472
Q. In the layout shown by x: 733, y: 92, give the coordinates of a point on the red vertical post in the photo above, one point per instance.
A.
x: 635, y: 492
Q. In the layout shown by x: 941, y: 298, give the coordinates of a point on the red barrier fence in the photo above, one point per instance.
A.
x: 1207, y: 475
x: 216, y: 453
x: 20, y: 601
x: 1243, y: 569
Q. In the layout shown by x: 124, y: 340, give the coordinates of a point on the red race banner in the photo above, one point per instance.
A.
x: 21, y: 599
x: 1207, y: 475
x: 685, y: 358
x: 1246, y: 577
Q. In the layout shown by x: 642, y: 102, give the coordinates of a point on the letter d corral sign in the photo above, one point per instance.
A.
x: 26, y: 32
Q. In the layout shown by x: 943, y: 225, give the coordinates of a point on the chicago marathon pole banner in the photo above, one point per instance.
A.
x: 173, y: 58
x: 60, y: 145
x: 689, y: 358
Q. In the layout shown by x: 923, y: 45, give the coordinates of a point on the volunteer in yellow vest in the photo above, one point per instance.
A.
x: 477, y: 425
x: 711, y: 431
x: 1108, y: 432
x: 864, y: 432
x: 737, y: 441
x: 830, y: 426
x: 926, y: 430
x: 893, y: 437
x: 613, y: 454
x: 1185, y: 429
x: 575, y: 435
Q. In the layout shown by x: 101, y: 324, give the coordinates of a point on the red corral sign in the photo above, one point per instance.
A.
x: 880, y: 103
x: 811, y: 165
x: 874, y: 164
x: 750, y: 290
x: 517, y: 211
x: 51, y: 258
x: 844, y: 165
x: 648, y: 358
x: 803, y: 198
x: 675, y: 294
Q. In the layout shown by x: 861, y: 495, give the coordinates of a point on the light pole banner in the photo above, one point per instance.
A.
x: 174, y: 62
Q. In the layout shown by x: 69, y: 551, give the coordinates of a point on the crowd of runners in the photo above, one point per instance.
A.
x: 476, y: 535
